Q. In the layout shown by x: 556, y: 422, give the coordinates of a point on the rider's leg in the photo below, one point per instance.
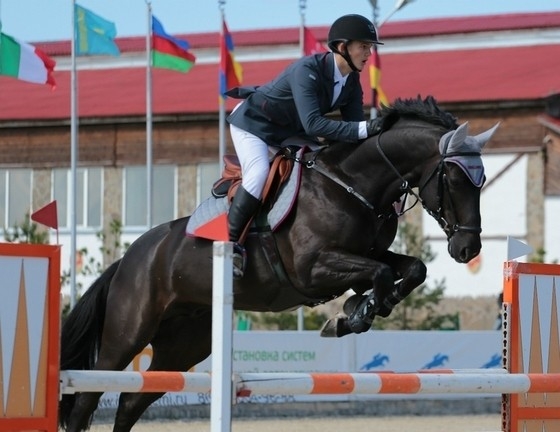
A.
x: 254, y: 160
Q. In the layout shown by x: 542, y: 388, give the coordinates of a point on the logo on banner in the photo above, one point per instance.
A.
x: 438, y: 361
x: 378, y: 360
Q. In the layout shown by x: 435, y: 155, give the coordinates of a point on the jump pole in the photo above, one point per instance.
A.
x: 302, y: 383
x: 222, y: 337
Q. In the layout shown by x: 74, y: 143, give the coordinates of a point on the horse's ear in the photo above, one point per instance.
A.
x: 484, y: 137
x: 458, y: 137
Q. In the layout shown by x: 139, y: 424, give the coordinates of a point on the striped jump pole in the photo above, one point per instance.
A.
x: 75, y: 381
x: 380, y: 383
x: 276, y: 383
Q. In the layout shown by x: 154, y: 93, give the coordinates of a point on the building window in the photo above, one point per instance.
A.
x: 208, y: 173
x: 15, y: 196
x: 89, y: 193
x: 163, y: 195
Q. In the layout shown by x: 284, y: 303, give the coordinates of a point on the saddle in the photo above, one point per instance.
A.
x: 280, y: 168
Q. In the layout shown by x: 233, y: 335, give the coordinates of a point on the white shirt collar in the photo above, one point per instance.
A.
x: 337, y: 76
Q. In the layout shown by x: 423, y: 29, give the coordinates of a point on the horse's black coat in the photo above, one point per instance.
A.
x: 160, y: 292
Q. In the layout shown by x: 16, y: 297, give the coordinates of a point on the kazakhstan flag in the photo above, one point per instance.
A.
x: 94, y: 34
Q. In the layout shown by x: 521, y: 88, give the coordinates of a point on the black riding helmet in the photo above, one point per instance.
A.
x: 351, y: 28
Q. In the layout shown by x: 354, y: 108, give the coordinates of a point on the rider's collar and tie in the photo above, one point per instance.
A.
x: 339, y: 82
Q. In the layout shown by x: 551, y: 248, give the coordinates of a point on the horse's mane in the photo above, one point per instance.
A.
x: 422, y: 109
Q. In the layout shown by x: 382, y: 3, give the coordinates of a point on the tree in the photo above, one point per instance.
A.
x: 93, y: 268
x: 29, y: 232
x: 26, y: 232
x: 312, y: 320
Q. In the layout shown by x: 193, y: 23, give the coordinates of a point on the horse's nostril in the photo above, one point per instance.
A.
x: 468, y: 254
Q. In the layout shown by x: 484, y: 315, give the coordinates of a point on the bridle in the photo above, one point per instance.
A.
x: 443, y: 186
x: 438, y: 171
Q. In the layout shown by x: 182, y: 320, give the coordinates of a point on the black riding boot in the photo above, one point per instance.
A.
x: 242, y: 209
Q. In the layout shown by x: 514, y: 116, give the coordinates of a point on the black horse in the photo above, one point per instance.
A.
x: 337, y: 237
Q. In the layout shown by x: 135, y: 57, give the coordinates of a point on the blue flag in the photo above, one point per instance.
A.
x: 94, y: 34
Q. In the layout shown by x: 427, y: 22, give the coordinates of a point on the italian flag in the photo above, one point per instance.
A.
x: 25, y: 62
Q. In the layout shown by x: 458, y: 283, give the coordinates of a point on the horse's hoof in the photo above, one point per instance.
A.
x: 336, y: 327
x: 351, y: 303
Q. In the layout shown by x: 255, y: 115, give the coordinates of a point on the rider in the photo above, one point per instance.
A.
x: 294, y: 104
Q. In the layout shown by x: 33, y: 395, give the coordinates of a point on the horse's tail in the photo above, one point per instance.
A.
x: 81, y: 334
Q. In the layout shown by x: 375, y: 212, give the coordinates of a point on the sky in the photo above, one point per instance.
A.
x: 50, y: 20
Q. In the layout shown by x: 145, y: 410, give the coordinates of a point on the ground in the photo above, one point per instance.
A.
x: 464, y: 423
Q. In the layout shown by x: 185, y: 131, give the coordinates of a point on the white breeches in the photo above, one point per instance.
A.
x: 254, y: 159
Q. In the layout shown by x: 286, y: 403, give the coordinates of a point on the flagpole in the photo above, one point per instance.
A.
x: 222, y: 101
x: 302, y: 5
x: 149, y: 145
x: 73, y: 158
x: 374, y: 95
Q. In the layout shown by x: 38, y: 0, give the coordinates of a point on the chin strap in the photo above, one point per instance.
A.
x: 346, y: 57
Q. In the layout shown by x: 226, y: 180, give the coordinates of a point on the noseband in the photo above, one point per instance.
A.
x: 443, y: 186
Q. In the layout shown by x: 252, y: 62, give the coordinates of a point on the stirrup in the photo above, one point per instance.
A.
x: 239, y: 261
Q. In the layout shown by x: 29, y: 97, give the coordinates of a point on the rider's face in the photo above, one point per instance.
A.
x: 359, y: 53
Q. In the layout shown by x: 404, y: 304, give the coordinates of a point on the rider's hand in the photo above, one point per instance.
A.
x: 373, y: 126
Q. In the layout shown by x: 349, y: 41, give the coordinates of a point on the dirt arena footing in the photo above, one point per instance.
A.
x: 393, y: 407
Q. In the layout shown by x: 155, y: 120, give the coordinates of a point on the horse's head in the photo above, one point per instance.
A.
x: 450, y: 190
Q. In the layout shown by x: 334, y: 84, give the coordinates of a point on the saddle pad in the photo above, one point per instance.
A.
x: 212, y: 210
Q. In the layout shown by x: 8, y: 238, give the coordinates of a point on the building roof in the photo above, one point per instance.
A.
x: 467, y: 75
x: 391, y: 30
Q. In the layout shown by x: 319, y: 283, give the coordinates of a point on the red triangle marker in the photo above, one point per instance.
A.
x: 215, y: 229
x: 47, y: 215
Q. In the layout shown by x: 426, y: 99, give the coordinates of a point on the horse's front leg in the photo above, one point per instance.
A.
x: 336, y: 269
x: 409, y: 272
x: 406, y: 274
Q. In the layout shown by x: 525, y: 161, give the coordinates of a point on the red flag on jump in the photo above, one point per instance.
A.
x: 47, y: 215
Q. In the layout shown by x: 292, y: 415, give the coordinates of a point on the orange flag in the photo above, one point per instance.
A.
x: 47, y: 215
x: 375, y: 79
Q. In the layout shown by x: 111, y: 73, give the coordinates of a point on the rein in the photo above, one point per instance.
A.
x: 313, y: 165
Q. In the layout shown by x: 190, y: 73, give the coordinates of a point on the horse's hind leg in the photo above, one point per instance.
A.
x: 84, y: 406
x: 109, y: 359
x: 180, y: 343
